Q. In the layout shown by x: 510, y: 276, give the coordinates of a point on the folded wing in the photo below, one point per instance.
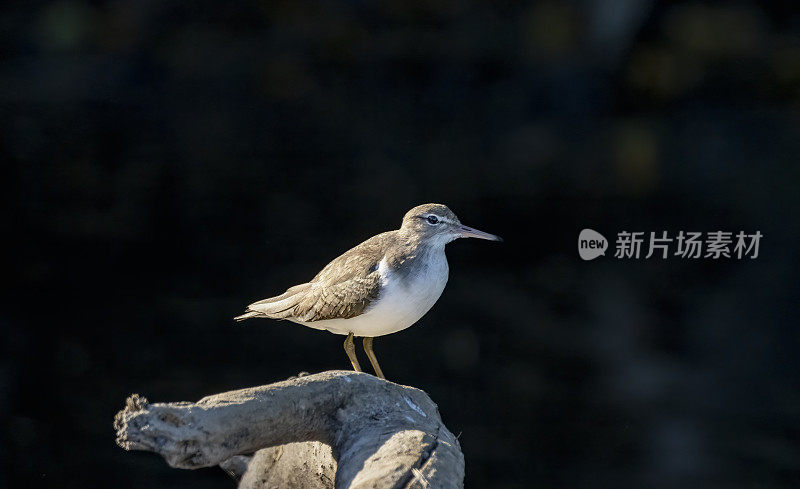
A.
x: 342, y: 290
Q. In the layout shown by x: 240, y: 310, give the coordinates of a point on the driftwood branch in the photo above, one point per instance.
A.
x: 337, y: 429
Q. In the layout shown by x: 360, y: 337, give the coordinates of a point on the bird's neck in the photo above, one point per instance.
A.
x: 411, y: 254
x: 413, y: 245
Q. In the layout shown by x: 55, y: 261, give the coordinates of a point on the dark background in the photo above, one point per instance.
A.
x: 168, y: 162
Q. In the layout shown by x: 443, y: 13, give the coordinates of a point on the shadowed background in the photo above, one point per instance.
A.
x: 167, y: 163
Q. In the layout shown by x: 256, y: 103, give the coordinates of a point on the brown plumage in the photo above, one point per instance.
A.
x: 343, y: 289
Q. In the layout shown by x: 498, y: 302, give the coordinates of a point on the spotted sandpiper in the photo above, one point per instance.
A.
x: 381, y: 286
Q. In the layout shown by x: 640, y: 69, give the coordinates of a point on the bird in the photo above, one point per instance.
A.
x: 379, y: 287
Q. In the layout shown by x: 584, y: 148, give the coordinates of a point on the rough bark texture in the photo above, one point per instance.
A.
x: 337, y: 429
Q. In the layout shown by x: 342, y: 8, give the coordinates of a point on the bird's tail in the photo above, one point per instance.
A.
x: 278, y: 307
x: 248, y: 315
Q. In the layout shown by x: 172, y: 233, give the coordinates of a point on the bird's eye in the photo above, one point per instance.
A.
x: 433, y: 219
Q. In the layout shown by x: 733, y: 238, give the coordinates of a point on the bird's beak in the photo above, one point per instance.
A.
x: 468, y: 232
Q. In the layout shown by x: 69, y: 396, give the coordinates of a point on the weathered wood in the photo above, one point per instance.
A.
x: 337, y: 429
x: 307, y: 464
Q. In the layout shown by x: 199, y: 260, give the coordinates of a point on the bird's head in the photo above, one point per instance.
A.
x: 436, y: 224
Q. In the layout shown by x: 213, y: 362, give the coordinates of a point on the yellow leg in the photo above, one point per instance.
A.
x: 371, y: 356
x: 350, y: 348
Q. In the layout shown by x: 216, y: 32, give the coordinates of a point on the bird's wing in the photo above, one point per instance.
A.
x: 343, y: 300
x: 347, y: 285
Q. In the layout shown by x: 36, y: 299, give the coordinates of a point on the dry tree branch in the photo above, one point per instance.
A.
x: 337, y: 429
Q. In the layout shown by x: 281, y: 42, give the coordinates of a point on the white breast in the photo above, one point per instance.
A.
x: 401, y: 303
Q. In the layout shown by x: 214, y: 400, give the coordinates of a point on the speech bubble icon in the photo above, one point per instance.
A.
x: 591, y: 244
